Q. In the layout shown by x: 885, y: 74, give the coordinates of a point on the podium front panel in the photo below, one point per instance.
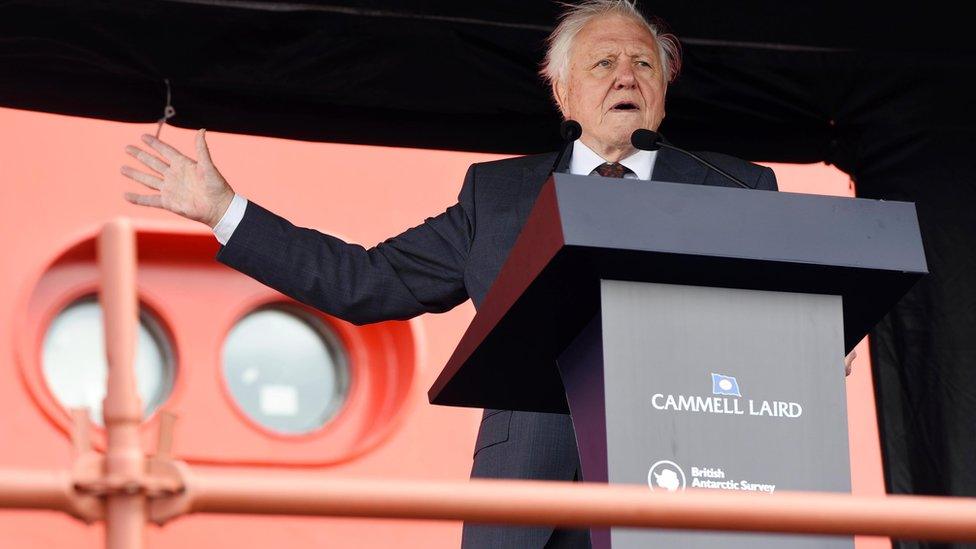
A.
x: 723, y: 389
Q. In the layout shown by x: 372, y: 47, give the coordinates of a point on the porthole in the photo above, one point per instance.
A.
x: 285, y: 369
x: 74, y: 364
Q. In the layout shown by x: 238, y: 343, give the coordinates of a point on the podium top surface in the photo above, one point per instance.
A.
x: 583, y: 229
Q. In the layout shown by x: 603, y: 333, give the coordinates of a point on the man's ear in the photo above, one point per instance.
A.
x: 664, y: 107
x: 559, y: 93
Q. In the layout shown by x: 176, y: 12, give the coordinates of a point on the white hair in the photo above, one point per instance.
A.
x: 575, y: 17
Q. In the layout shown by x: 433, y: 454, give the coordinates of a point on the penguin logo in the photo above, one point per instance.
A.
x: 665, y: 476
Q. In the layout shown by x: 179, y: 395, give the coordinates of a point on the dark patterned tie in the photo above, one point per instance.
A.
x: 612, y: 169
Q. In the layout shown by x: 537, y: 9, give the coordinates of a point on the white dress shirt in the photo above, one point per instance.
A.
x: 582, y: 162
x: 224, y: 229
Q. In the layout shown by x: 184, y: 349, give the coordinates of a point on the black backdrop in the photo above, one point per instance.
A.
x: 883, y: 93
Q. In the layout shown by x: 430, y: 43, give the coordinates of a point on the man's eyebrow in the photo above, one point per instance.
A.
x: 603, y: 53
x: 600, y: 54
x: 640, y: 53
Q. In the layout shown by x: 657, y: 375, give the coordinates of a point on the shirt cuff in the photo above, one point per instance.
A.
x: 224, y: 229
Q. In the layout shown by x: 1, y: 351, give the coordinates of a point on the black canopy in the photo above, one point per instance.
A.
x: 764, y: 79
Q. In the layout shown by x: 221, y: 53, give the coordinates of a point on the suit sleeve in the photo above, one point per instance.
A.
x: 767, y: 180
x: 420, y: 270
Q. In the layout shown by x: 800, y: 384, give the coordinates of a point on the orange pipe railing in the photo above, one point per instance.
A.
x: 25, y: 489
x: 124, y: 459
x: 533, y: 502
x: 589, y: 504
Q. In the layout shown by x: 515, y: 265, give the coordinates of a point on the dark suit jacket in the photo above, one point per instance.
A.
x: 434, y: 267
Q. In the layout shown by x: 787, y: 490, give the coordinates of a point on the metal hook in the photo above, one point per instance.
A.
x: 168, y: 110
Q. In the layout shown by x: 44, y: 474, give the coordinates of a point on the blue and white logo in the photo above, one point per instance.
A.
x: 725, y: 385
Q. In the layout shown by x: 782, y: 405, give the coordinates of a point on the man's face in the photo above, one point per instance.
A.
x: 615, y: 83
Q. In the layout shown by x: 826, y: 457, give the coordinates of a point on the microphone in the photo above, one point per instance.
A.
x: 569, y: 130
x: 647, y: 140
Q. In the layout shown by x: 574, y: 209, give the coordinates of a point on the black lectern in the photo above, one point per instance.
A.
x: 695, y: 333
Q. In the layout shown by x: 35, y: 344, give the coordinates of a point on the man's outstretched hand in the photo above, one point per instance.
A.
x: 193, y: 189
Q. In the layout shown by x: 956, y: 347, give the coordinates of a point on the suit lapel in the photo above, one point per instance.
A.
x: 674, y: 167
x: 670, y: 166
x: 533, y: 177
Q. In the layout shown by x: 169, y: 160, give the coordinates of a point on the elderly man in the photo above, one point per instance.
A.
x: 609, y: 69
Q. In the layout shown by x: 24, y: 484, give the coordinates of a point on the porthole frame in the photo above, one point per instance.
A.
x: 30, y: 354
x: 326, y: 329
x: 157, y: 330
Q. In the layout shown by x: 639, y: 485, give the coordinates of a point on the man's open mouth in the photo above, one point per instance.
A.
x: 625, y: 106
